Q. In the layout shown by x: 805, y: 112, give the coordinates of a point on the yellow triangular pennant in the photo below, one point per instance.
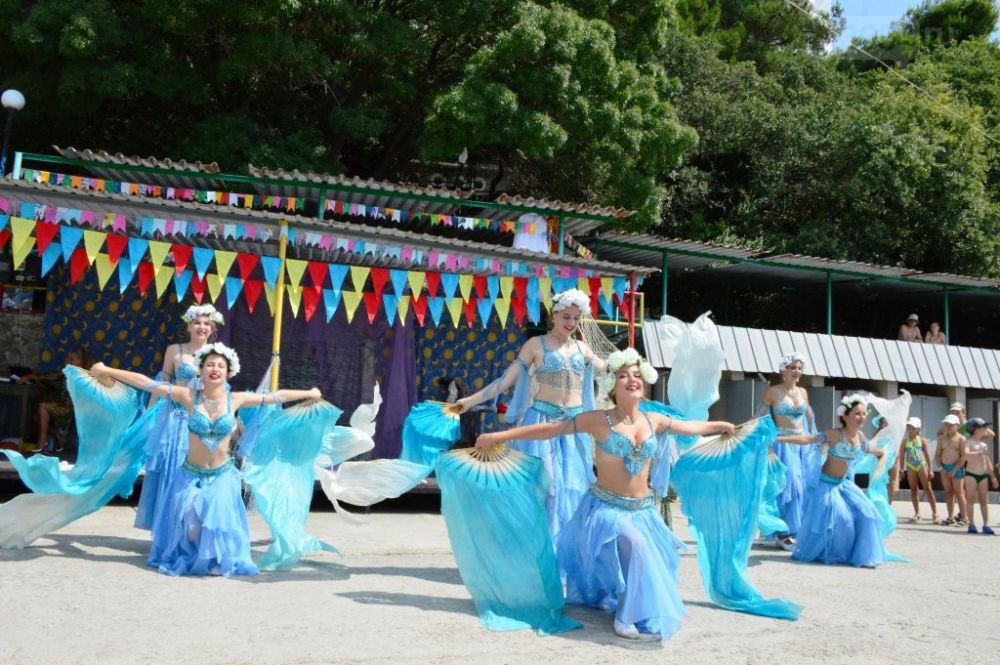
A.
x: 214, y: 284
x: 223, y: 262
x: 269, y: 296
x: 21, y: 239
x: 157, y: 252
x: 545, y: 287
x: 163, y: 275
x: 455, y: 309
x: 502, y: 306
x: 359, y: 275
x: 607, y: 287
x: 402, y: 308
x: 92, y: 242
x: 583, y: 284
x: 464, y: 286
x: 104, y: 269
x: 350, y: 300
x: 506, y: 286
x: 294, y: 297
x: 296, y: 269
x: 416, y: 280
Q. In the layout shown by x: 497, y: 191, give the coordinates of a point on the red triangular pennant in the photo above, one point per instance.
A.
x: 4, y: 237
x: 78, y: 265
x: 479, y: 281
x: 251, y: 291
x: 116, y: 245
x: 310, y: 298
x: 182, y: 256
x: 197, y: 287
x: 594, y: 302
x: 146, y: 274
x: 379, y: 277
x: 44, y: 233
x: 372, y: 302
x: 470, y: 311
x: 521, y: 285
x: 432, y: 279
x: 419, y: 307
x: 519, y: 305
x: 318, y: 272
x: 247, y: 263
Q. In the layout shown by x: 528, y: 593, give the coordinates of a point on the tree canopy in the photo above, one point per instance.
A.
x: 724, y: 120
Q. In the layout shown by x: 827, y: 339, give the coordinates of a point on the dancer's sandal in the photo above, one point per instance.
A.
x: 785, y: 542
x: 630, y: 632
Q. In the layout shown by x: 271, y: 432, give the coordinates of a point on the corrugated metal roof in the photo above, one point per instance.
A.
x: 753, y: 350
x: 733, y: 261
x: 184, y: 170
x: 137, y: 208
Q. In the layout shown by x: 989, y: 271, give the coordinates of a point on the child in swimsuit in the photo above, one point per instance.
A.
x: 949, y: 448
x: 915, y: 458
x: 978, y: 469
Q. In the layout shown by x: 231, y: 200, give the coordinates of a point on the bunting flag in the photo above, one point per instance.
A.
x: 517, y: 303
x: 269, y: 296
x: 146, y: 272
x: 104, y: 269
x: 470, y: 311
x: 272, y: 266
x: 455, y: 309
x: 415, y: 278
x: 181, y: 283
x: 45, y: 232
x: 436, y: 306
x: 251, y: 291
x: 351, y: 300
x: 433, y: 280
x: 163, y: 276
x: 247, y: 263
x: 182, y: 256
x: 203, y: 258
x: 116, y: 247
x: 310, y: 299
x: 295, y: 268
x: 449, y: 281
x: 125, y: 273
x: 372, y: 302
x: 214, y: 284
x: 331, y: 301
x: 136, y: 251
x: 317, y: 275
x: 359, y: 275
x: 465, y: 286
x: 419, y: 306
x: 21, y: 240
x: 485, y: 307
x: 223, y: 262
x: 502, y: 306
x: 294, y: 292
x: 403, y: 308
x: 390, y: 301
x: 379, y: 277
x: 506, y: 286
x: 234, y: 286
x: 49, y: 257
x: 479, y: 282
x: 157, y: 252
x: 337, y: 274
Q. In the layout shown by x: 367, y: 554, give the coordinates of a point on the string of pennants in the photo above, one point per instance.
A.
x: 150, y: 226
x: 309, y: 283
x: 289, y: 204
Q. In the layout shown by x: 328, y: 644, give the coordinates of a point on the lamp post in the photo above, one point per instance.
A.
x: 13, y: 101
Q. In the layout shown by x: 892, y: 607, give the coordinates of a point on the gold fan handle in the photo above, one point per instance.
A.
x: 452, y: 409
x: 491, y: 454
x: 102, y: 379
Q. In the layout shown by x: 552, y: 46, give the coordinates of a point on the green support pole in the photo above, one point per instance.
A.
x: 829, y: 304
x: 562, y: 235
x: 322, y: 204
x: 947, y: 317
x: 663, y: 290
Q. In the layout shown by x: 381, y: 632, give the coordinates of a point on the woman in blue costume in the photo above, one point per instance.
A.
x: 553, y: 379
x: 840, y: 524
x: 788, y: 404
x: 204, y: 528
x: 616, y: 552
x: 167, y: 444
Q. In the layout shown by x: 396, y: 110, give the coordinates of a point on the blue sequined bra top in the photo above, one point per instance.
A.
x: 619, y: 445
x: 211, y: 432
x: 559, y: 371
x: 842, y: 449
x: 186, y: 372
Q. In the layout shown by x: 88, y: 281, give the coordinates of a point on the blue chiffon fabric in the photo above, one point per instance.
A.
x: 623, y: 561
x: 205, y: 529
x: 769, y: 521
x: 840, y: 525
x: 165, y: 449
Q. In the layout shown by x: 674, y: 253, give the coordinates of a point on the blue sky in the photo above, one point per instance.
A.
x: 866, y: 18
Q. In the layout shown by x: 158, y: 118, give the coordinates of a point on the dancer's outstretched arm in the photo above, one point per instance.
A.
x: 143, y: 382
x: 277, y: 397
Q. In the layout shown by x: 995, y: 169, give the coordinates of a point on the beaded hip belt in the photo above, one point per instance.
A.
x: 555, y: 411
x: 208, y: 470
x: 630, y: 503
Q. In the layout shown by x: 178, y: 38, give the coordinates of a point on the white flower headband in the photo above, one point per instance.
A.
x: 571, y: 297
x: 849, y: 402
x: 793, y: 357
x: 625, y: 358
x: 194, y: 311
x: 219, y: 349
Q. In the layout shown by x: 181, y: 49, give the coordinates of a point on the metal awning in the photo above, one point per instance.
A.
x: 754, y: 350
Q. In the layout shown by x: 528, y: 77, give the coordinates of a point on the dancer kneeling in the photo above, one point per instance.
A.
x: 205, y: 529
x: 840, y: 525
x: 616, y: 552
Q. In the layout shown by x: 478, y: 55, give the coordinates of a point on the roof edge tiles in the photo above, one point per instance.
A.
x: 840, y: 356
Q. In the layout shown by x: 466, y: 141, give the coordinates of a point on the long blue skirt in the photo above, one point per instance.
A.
x: 840, y: 525
x: 769, y: 520
x: 620, y: 557
x: 568, y: 460
x: 205, y: 529
x: 166, y: 449
x: 791, y: 500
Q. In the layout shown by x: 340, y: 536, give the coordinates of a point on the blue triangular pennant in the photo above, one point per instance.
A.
x: 607, y: 306
x: 493, y: 286
x: 398, y: 278
x: 70, y: 237
x: 534, y: 310
x: 272, y: 266
x: 234, y: 285
x: 202, y: 259
x: 3, y: 221
x: 533, y: 295
x: 136, y: 250
x: 389, y: 302
x: 436, y: 305
x: 337, y: 274
x: 485, y: 306
x: 181, y: 283
x: 620, y: 286
x: 331, y: 300
x: 50, y: 256
x: 449, y: 281
x: 125, y: 273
